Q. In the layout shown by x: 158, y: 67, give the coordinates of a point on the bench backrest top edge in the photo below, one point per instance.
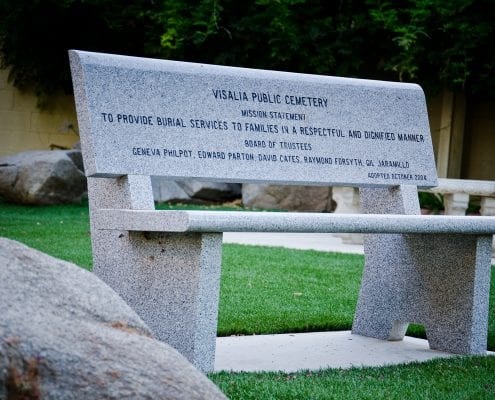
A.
x: 142, y: 63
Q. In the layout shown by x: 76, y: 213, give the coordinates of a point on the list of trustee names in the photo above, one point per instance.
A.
x: 264, y: 134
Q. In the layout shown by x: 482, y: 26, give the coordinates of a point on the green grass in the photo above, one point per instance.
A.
x: 274, y: 290
x: 61, y: 231
x: 458, y: 378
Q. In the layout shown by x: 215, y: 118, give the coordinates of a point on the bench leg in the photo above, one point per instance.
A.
x: 439, y: 281
x: 172, y: 281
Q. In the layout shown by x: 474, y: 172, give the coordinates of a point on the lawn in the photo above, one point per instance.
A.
x: 459, y: 378
x: 274, y: 290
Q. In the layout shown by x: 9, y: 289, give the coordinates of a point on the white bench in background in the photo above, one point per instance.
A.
x: 142, y: 117
x: 456, y: 195
x: 457, y: 192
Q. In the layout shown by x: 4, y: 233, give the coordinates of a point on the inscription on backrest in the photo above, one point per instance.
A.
x: 184, y: 120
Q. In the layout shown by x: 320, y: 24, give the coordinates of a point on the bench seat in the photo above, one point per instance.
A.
x: 246, y: 221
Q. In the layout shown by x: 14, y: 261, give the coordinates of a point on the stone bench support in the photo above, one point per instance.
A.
x: 440, y: 281
x: 171, y: 280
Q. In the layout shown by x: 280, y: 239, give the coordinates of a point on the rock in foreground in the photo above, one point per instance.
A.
x: 64, y: 334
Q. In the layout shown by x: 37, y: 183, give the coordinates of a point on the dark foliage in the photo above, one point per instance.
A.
x: 438, y: 43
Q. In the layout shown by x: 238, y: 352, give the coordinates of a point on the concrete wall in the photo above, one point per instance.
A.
x: 23, y: 126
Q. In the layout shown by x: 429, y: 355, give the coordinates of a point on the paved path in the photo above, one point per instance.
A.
x: 305, y: 241
x: 316, y: 350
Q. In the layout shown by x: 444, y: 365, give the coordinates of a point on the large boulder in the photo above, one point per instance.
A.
x: 192, y: 191
x: 42, y: 177
x: 290, y: 198
x: 167, y: 191
x: 64, y: 334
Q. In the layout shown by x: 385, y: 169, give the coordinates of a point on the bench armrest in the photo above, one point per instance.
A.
x: 245, y: 221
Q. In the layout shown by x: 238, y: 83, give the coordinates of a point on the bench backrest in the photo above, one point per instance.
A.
x: 184, y: 120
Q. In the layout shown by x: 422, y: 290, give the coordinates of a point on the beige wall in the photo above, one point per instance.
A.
x: 479, y: 149
x: 23, y: 126
x: 434, y: 113
x: 463, y: 135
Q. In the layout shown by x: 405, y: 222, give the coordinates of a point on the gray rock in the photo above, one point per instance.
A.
x: 77, y: 159
x: 77, y: 145
x: 291, y: 198
x: 211, y: 191
x: 64, y: 334
x: 165, y: 190
x: 42, y: 177
x: 190, y: 191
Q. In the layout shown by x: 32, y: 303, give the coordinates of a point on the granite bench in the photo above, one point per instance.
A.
x: 142, y: 117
